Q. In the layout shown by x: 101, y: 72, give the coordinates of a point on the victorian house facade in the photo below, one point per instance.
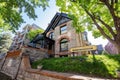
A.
x: 60, y: 37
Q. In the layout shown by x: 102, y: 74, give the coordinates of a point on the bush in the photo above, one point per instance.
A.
x: 102, y: 65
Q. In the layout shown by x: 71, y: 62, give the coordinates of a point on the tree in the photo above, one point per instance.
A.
x: 102, y: 17
x: 11, y: 10
x: 32, y: 33
x: 5, y: 42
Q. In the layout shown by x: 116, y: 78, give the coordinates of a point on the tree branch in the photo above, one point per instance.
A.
x: 108, y: 27
x: 112, y: 3
x: 112, y: 12
x: 98, y: 26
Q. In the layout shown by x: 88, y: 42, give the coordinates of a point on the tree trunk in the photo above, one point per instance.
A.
x: 118, y: 48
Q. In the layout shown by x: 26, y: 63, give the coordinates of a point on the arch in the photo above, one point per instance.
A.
x: 63, y: 37
x: 50, y: 34
x: 47, y: 35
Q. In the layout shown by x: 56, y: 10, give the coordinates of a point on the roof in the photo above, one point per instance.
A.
x: 55, y: 21
x: 41, y: 37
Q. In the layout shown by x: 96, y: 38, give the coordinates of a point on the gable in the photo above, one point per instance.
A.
x: 63, y: 20
x: 58, y: 19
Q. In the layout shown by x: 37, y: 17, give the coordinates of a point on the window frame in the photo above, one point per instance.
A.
x: 63, y: 42
x: 62, y: 32
x: 51, y: 35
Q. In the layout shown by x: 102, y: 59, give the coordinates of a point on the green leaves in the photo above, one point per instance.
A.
x: 105, y: 65
x: 79, y: 10
x: 11, y: 10
x: 5, y: 42
x: 33, y: 33
x: 96, y: 33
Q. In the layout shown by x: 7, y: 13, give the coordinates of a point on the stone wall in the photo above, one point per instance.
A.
x: 10, y: 66
x: 21, y: 69
x: 34, y: 54
x: 74, y: 39
x: 27, y: 73
x: 1, y: 62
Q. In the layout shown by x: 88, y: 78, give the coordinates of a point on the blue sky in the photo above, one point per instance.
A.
x: 44, y: 18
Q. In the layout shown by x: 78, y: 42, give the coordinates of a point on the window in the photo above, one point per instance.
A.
x: 64, y: 45
x: 84, y: 36
x: 51, y: 35
x: 63, y: 29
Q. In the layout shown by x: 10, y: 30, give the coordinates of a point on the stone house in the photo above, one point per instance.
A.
x: 62, y: 35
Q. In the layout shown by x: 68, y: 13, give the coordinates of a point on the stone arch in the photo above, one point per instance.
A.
x: 63, y: 37
x: 47, y: 35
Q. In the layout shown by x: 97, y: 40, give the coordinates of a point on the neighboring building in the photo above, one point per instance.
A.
x: 99, y: 49
x: 20, y: 38
x: 110, y: 48
x: 62, y: 35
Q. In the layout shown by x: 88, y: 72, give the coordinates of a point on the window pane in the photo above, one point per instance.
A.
x: 63, y: 29
x: 51, y: 35
x: 64, y: 45
x: 84, y: 37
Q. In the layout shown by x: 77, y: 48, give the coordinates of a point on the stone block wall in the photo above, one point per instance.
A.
x: 1, y: 63
x: 10, y: 66
x: 74, y: 38
x: 27, y: 73
x: 34, y: 54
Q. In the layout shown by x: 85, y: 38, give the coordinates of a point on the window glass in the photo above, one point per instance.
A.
x: 84, y: 36
x: 63, y: 29
x: 63, y: 45
x: 51, y: 35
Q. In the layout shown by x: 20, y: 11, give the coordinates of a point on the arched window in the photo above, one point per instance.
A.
x: 51, y: 35
x: 64, y: 45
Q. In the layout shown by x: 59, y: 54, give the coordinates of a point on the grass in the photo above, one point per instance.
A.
x: 101, y: 66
